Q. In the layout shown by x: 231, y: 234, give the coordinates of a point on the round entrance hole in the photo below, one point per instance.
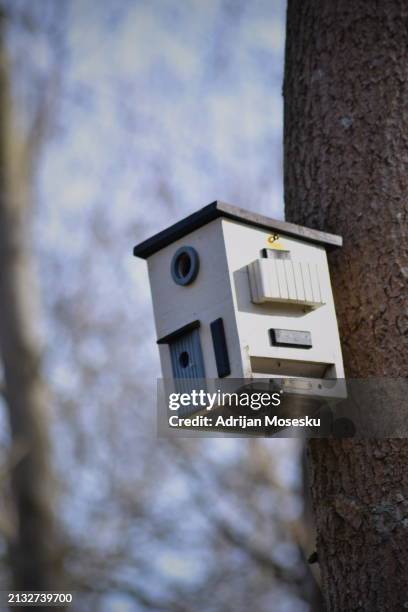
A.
x: 185, y: 265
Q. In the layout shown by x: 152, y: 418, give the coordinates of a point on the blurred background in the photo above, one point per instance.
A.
x: 118, y: 118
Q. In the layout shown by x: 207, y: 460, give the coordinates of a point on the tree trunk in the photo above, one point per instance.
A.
x: 346, y: 171
x: 32, y: 552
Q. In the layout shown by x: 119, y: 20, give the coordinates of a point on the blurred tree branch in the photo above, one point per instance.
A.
x: 33, y: 549
x: 228, y: 529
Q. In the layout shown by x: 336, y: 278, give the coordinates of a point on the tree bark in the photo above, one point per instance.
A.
x: 33, y: 554
x: 346, y: 171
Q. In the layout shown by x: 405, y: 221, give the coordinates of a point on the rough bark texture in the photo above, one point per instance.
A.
x: 33, y: 557
x: 346, y: 171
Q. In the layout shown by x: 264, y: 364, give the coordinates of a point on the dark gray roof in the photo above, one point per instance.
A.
x: 221, y: 209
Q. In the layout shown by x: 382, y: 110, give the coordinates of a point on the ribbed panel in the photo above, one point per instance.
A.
x: 189, y: 377
x: 283, y: 280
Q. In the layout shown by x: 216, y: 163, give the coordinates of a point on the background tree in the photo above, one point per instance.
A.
x: 345, y: 159
x: 32, y: 540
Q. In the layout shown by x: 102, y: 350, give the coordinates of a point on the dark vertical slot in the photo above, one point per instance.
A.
x: 220, y: 348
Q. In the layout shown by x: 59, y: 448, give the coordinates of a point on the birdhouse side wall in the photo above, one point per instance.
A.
x: 206, y: 299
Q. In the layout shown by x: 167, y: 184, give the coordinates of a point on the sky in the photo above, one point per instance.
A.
x: 168, y: 106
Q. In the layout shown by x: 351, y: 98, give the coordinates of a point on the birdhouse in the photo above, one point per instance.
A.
x: 239, y: 295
